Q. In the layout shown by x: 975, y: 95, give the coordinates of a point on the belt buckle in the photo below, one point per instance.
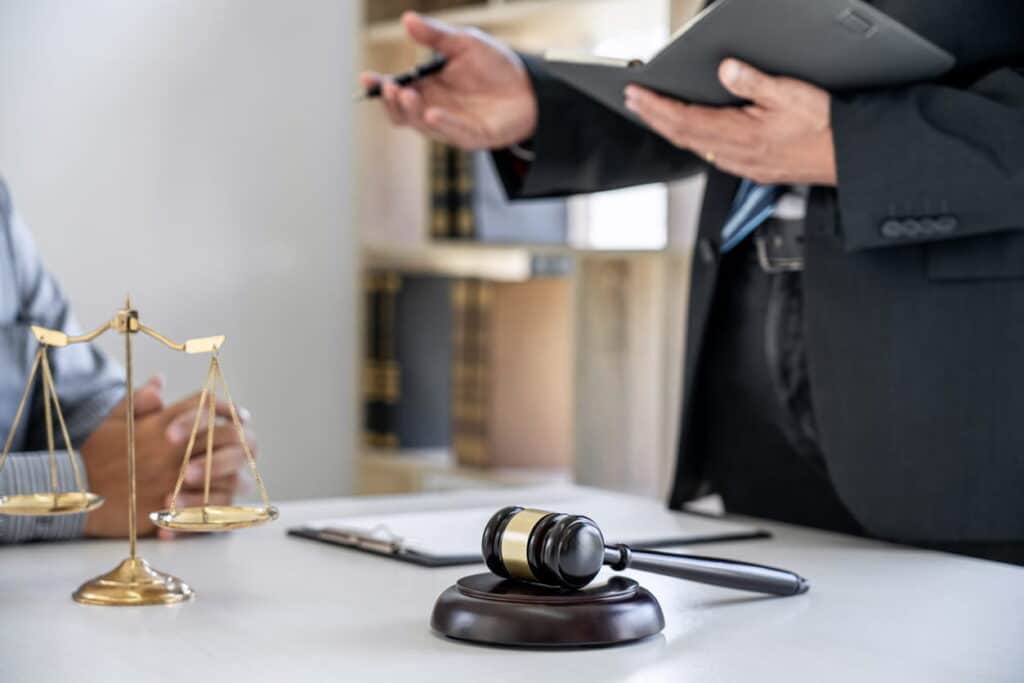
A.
x: 778, y: 250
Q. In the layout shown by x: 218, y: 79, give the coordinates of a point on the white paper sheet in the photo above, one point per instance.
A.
x: 457, y: 532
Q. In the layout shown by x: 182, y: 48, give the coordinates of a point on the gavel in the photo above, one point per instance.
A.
x: 567, y: 551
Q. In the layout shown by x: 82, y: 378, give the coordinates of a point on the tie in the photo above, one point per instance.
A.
x: 753, y: 205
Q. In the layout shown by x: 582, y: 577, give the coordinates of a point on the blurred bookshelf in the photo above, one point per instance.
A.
x: 566, y: 362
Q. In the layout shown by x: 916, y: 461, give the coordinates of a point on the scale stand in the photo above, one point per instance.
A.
x: 133, y: 581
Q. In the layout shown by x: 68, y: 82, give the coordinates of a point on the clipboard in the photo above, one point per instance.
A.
x: 373, y: 546
x: 381, y: 536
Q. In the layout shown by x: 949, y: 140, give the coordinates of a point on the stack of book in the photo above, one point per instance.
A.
x: 407, y: 376
x: 481, y: 368
x: 468, y: 202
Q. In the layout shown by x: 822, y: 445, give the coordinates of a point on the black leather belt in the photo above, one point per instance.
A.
x: 780, y: 245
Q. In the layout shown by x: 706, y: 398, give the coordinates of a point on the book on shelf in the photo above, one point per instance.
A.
x: 380, y: 371
x: 471, y: 304
x: 406, y: 373
x: 512, y: 390
x: 479, y: 367
x: 468, y: 203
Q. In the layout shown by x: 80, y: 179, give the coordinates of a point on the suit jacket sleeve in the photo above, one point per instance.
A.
x: 581, y: 146
x: 929, y: 162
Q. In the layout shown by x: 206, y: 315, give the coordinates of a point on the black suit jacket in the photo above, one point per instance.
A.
x: 914, y: 280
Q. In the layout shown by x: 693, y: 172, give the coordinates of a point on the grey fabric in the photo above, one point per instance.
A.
x: 88, y: 383
x: 914, y: 279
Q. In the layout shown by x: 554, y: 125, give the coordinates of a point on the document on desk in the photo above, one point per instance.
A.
x: 444, y: 538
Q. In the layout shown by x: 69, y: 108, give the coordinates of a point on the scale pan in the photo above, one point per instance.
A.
x: 213, y: 517
x: 49, y: 504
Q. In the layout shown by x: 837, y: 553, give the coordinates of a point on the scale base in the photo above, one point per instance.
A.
x: 133, y: 582
x: 484, y: 608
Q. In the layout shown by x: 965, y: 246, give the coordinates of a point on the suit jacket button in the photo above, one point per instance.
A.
x: 946, y: 224
x: 929, y: 226
x: 892, y: 229
x: 912, y: 227
x: 706, y: 250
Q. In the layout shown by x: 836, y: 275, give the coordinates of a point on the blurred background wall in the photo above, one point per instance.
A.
x: 197, y: 154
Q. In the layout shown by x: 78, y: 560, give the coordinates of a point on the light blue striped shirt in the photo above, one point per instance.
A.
x: 88, y: 383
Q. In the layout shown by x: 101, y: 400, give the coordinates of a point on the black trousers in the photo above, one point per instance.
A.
x: 753, y: 402
x: 753, y: 407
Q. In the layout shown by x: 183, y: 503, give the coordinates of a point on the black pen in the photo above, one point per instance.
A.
x: 416, y: 73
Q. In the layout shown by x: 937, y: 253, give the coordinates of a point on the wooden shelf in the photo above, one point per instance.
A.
x: 502, y: 264
x: 498, y: 262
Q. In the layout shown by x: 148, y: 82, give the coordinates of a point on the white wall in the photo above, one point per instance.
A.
x: 196, y: 153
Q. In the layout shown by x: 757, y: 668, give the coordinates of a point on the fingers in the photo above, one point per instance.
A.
x: 406, y: 107
x: 224, y: 435
x: 411, y: 103
x: 453, y: 128
x: 745, y: 81
x: 774, y: 92
x: 180, y: 417
x: 701, y: 129
x: 389, y: 97
x: 224, y: 431
x: 148, y: 398
x: 227, y: 462
x: 368, y: 79
x: 431, y: 33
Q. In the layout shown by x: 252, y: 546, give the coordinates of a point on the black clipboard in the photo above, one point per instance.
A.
x: 393, y: 549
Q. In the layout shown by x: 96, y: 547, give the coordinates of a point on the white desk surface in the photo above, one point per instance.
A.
x: 277, y: 608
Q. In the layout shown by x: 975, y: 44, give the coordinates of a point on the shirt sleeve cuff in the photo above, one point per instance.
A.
x: 30, y: 473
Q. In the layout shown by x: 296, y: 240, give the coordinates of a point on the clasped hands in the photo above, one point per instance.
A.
x: 161, y: 436
x: 484, y: 100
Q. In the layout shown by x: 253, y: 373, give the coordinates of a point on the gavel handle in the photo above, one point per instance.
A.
x: 711, y: 570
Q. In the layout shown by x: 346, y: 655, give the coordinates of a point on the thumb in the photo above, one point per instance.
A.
x: 745, y: 81
x: 148, y: 398
x: 431, y: 33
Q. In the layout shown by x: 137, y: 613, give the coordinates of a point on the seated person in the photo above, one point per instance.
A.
x: 90, y: 388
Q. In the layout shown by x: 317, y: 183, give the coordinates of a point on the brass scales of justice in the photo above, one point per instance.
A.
x: 133, y: 581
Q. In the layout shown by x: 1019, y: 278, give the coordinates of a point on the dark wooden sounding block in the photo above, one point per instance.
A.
x: 484, y: 608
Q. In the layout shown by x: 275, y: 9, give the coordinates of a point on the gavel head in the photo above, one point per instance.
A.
x: 543, y: 547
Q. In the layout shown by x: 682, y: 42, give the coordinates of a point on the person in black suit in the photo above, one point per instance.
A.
x: 857, y: 363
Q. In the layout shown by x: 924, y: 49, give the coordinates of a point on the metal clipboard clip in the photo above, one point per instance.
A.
x: 380, y: 539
